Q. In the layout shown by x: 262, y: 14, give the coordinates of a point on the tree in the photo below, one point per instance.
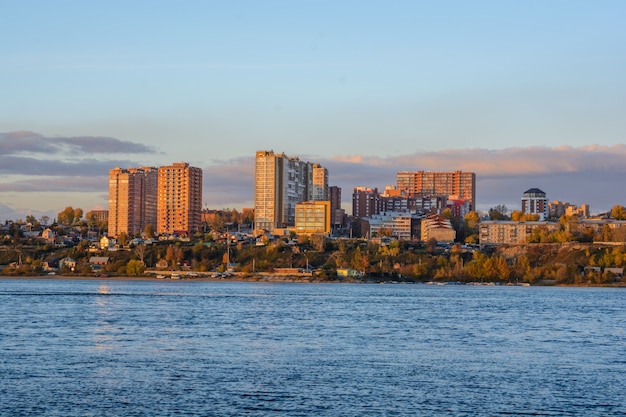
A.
x: 69, y: 216
x: 149, y: 230
x: 140, y: 251
x: 360, y: 261
x: 174, y: 254
x: 44, y: 220
x: 519, y: 216
x: 217, y: 222
x: 499, y: 212
x: 618, y: 212
x: 135, y: 267
x: 123, y: 238
x: 470, y: 222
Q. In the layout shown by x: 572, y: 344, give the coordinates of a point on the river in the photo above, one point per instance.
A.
x: 148, y: 348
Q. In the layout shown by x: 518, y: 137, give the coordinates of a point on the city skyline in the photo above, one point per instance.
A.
x: 523, y: 94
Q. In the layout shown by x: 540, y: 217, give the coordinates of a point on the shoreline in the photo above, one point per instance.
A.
x: 259, y: 279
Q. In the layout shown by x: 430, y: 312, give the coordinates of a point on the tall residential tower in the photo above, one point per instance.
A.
x: 132, y: 200
x: 457, y: 184
x: 281, y: 182
x: 179, y: 199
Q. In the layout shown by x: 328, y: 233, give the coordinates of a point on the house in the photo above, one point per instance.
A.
x: 49, y: 266
x: 346, y: 272
x: 97, y: 262
x: 162, y: 264
x: 618, y: 273
x: 67, y: 262
x: 49, y: 235
x: 107, y: 242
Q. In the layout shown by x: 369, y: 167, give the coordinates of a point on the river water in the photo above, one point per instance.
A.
x: 144, y: 348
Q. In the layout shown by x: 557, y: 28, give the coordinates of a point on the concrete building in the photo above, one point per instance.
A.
x: 438, y: 228
x: 534, y: 202
x: 497, y: 232
x: 337, y: 214
x: 365, y: 202
x: 281, y: 182
x: 319, y: 183
x: 132, y: 200
x: 399, y: 224
x: 460, y: 184
x: 179, y: 204
x: 312, y: 217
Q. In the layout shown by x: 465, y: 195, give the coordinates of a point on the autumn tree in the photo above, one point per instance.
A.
x: 174, y: 254
x: 470, y: 223
x: 149, y: 230
x: 69, y: 216
x: 360, y: 261
x: 618, y: 212
x: 135, y: 267
x: 217, y: 222
x: 519, y: 216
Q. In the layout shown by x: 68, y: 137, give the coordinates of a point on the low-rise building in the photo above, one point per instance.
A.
x: 312, y: 217
x: 438, y: 228
x: 502, y: 232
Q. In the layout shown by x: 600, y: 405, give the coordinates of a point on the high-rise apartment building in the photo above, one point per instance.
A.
x: 319, y: 183
x: 534, y: 202
x: 280, y: 182
x: 365, y: 202
x: 337, y: 214
x: 458, y: 184
x: 179, y: 201
x: 132, y: 200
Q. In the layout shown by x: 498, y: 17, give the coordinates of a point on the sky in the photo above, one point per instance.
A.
x: 526, y: 94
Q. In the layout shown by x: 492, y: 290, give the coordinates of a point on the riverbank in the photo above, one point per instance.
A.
x: 281, y: 279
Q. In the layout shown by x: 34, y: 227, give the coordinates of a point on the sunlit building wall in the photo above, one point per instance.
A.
x: 424, y: 183
x: 312, y: 217
x: 179, y: 199
x: 281, y: 182
x: 132, y: 200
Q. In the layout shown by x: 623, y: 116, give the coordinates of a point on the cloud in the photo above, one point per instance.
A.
x: 57, y: 184
x: 32, y: 166
x: 29, y: 153
x: 14, y: 143
x: 580, y: 175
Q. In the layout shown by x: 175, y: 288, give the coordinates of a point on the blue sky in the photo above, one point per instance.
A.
x: 365, y: 88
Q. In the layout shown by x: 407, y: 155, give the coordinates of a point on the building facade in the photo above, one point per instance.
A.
x: 132, y: 200
x: 534, y: 202
x: 457, y: 184
x: 498, y: 232
x: 337, y: 214
x: 281, y: 182
x: 319, y: 183
x: 179, y: 203
x: 438, y: 228
x: 365, y: 202
x: 400, y: 225
x: 312, y: 217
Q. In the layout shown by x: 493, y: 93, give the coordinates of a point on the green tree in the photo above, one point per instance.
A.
x: 499, y: 212
x: 135, y: 267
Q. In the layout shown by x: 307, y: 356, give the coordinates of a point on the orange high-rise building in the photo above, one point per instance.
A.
x: 459, y: 184
x: 132, y: 200
x: 179, y: 203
